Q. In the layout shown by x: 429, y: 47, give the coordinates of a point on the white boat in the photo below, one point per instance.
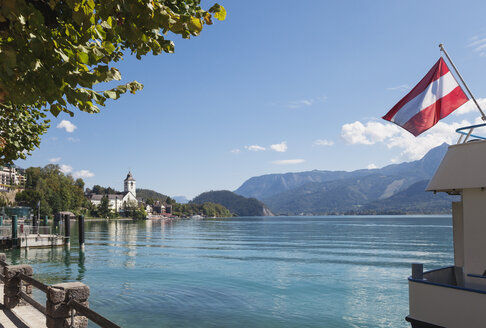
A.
x: 197, y: 217
x: 455, y: 296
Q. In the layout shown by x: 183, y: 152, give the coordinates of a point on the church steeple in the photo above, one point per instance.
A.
x: 130, y: 184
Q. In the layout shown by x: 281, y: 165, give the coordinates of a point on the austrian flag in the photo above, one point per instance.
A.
x: 435, y: 97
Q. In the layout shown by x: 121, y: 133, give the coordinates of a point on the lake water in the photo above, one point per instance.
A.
x: 250, y: 272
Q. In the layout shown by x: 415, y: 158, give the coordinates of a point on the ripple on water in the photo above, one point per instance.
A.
x: 250, y: 272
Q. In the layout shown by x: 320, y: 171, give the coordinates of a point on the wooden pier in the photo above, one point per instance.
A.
x: 21, y: 316
x: 66, y: 304
x: 16, y: 234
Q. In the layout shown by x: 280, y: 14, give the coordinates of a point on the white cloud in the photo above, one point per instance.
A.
x: 281, y: 147
x: 66, y: 168
x: 305, y: 102
x: 73, y: 139
x: 65, y: 124
x: 54, y: 159
x: 255, y: 148
x: 288, y: 161
x: 470, y: 107
x: 369, y: 134
x: 323, y: 142
x: 84, y: 174
x: 372, y: 166
x: 412, y: 148
x: 479, y: 45
x: 300, y: 103
x: 402, y: 87
x: 235, y: 151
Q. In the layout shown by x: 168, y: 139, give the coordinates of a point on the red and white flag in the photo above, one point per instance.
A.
x: 437, y: 95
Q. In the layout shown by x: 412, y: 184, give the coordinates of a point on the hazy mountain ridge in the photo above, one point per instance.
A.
x: 394, y: 188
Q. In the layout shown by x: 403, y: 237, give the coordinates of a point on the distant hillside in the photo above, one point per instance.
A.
x: 239, y: 205
x: 147, y: 193
x: 334, y: 197
x: 413, y: 200
x: 392, y: 188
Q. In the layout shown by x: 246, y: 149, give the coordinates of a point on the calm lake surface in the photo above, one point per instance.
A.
x: 339, y: 271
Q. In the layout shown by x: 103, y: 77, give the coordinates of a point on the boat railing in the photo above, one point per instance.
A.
x: 466, y: 132
x: 66, y: 304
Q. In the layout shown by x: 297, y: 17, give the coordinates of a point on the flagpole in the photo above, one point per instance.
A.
x: 441, y: 46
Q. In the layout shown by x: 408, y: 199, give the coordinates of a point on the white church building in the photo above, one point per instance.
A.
x: 119, y: 201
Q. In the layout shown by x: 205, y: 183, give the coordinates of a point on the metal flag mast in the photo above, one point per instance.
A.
x: 483, y: 116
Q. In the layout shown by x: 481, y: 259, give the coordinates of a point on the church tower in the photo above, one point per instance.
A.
x: 129, y: 184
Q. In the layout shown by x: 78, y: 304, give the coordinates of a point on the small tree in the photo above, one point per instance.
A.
x: 139, y: 213
x: 104, y: 207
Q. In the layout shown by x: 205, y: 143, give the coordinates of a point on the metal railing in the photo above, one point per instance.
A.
x: 25, y: 230
x: 5, y: 232
x: 466, y: 133
x: 74, y: 306
x: 35, y: 230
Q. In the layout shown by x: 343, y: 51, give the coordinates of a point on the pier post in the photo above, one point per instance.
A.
x: 56, y: 228
x: 81, y: 231
x: 417, y: 271
x: 67, y: 229
x: 58, y: 313
x: 13, y: 285
x: 35, y: 223
x: 15, y: 236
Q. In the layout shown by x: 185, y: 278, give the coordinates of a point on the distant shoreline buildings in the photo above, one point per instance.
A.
x: 117, y: 202
x: 10, y: 178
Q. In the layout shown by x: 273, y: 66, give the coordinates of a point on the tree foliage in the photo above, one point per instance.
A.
x: 207, y: 209
x: 97, y: 189
x: 54, y: 52
x: 103, y: 209
x: 53, y: 189
x: 135, y: 211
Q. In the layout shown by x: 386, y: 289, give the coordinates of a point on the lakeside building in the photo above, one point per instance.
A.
x: 118, y: 201
x: 10, y: 177
x: 160, y: 208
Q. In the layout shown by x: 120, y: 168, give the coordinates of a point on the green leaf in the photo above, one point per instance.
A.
x: 114, y: 74
x: 83, y: 57
x: 111, y: 94
x: 219, y: 12
x: 108, y: 46
x: 55, y: 110
x: 62, y: 54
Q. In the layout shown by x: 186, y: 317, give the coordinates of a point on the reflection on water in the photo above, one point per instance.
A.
x: 249, y: 272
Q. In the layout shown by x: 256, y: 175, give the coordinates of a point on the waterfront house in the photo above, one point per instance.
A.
x: 10, y: 177
x: 118, y: 201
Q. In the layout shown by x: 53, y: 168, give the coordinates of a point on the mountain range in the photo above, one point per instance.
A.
x: 393, y: 189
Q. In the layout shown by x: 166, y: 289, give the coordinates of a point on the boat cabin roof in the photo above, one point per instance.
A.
x: 463, y: 167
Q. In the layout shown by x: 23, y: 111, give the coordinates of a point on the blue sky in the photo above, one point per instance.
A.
x: 280, y: 86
